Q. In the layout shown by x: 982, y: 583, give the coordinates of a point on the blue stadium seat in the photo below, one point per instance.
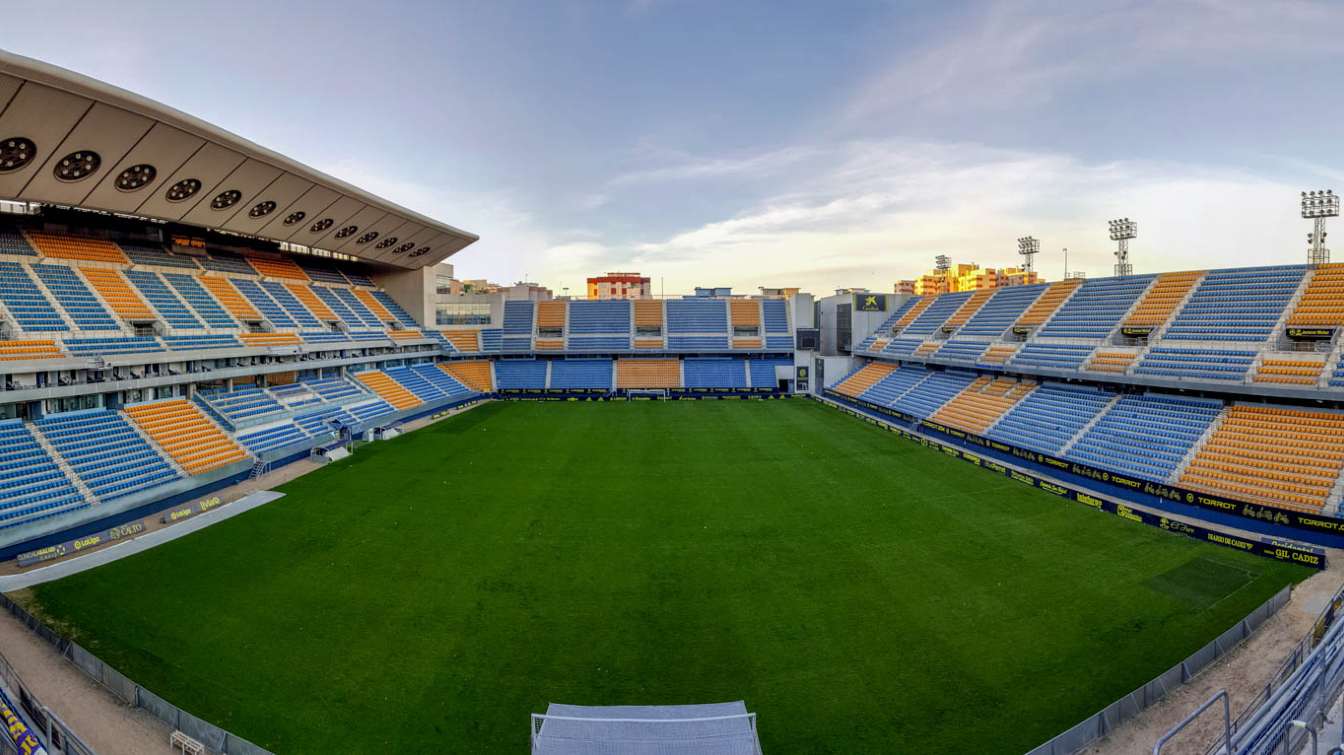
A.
x: 25, y: 301
x: 581, y: 374
x: 84, y: 309
x: 520, y: 374
x: 1203, y: 364
x: 714, y: 373
x: 162, y: 299
x: 1050, y: 416
x: 200, y: 300
x: 1001, y: 311
x: 1146, y: 436
x: 937, y: 313
x: 762, y: 371
x: 1236, y: 305
x: 1096, y: 307
x: 107, y: 455
x: 32, y: 487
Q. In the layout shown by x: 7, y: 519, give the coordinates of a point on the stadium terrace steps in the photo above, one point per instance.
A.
x: 648, y: 373
x: 475, y: 374
x: 278, y: 268
x: 1054, y: 297
x: 1115, y: 361
x: 105, y: 452
x: 1322, y: 302
x: 387, y: 388
x: 270, y: 339
x: 1291, y: 369
x: 114, y: 289
x: 196, y: 443
x: 863, y: 378
x: 228, y: 295
x: 1166, y: 294
x: 1268, y: 454
x: 77, y: 248
x: 304, y: 294
x: 40, y: 348
x: 980, y: 405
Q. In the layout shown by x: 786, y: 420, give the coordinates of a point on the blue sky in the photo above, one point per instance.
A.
x: 783, y: 143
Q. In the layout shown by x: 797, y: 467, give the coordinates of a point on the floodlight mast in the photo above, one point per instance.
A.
x: 1122, y: 230
x: 1028, y: 246
x: 1316, y: 207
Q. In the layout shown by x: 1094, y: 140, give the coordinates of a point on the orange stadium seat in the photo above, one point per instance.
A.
x: 187, y: 435
x: 305, y: 294
x: 1162, y: 298
x: 367, y: 298
x: 648, y: 373
x: 270, y: 339
x: 476, y: 374
x: 13, y: 351
x: 390, y: 390
x: 229, y: 297
x: 1322, y: 303
x: 464, y: 340
x: 864, y: 378
x: 77, y: 248
x: 118, y: 294
x: 278, y: 268
x: 980, y: 404
x: 1052, y: 299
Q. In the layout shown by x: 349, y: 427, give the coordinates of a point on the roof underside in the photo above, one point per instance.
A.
x: 239, y: 186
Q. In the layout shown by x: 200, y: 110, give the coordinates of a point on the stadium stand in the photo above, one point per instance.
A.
x: 466, y: 341
x: 60, y: 246
x: 140, y: 254
x: 927, y: 396
x: 79, y: 303
x: 277, y: 268
x: 714, y: 373
x: 269, y: 339
x: 521, y: 374
x: 1050, y: 417
x: 962, y: 351
x: 895, y: 384
x: 38, y: 348
x: 13, y: 242
x: 476, y: 374
x: 1322, y: 302
x: 863, y: 378
x: 229, y: 297
x: 1147, y: 435
x: 111, y: 346
x: 982, y: 403
x: 1161, y: 300
x: 374, y: 306
x: 24, y: 301
x: 1054, y: 296
x: 35, y: 487
x: 269, y: 309
x: 291, y: 305
x: 1291, y: 369
x: 114, y: 290
x: 399, y: 315
x: 304, y: 295
x: 998, y: 314
x: 1054, y: 356
x: 241, y: 404
x: 1111, y: 360
x: 1236, y: 305
x: 518, y: 325
x: 761, y: 372
x: 1203, y: 364
x: 226, y: 262
x: 259, y: 440
x: 652, y: 373
x: 170, y: 308
x: 581, y: 374
x: 356, y: 307
x: 968, y: 309
x: 390, y: 390
x: 205, y: 305
x: 1096, y: 307
x: 998, y: 354
x: 1269, y: 454
x: 935, y: 314
x: 107, y: 455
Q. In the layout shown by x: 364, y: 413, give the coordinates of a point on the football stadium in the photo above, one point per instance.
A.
x: 258, y: 494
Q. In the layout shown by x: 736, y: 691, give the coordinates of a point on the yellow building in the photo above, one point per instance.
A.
x: 966, y: 277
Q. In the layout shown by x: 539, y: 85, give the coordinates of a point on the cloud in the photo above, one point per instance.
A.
x: 1022, y: 54
x: 681, y: 166
x: 886, y: 208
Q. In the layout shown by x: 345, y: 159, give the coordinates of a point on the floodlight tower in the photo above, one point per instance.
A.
x: 942, y: 263
x: 1028, y: 246
x: 1122, y: 230
x: 1316, y: 207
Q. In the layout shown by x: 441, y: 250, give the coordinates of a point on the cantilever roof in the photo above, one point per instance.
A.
x: 148, y: 155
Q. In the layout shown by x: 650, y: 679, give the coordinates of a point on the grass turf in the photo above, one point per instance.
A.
x: 860, y: 592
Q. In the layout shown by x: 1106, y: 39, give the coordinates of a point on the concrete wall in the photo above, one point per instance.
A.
x: 414, y: 290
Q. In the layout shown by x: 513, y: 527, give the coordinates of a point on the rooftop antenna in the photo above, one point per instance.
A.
x: 1028, y: 247
x: 1066, y: 262
x: 1316, y: 207
x: 1122, y: 230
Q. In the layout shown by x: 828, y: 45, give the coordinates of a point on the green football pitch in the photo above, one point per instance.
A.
x: 860, y: 592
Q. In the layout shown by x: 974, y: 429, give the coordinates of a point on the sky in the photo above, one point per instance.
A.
x: 744, y: 144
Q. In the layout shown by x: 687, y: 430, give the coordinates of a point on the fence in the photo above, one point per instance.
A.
x: 1104, y: 721
x: 132, y: 694
x: 53, y: 731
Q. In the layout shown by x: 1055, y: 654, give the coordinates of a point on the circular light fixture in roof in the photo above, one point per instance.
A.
x: 404, y: 248
x: 385, y: 243
x: 135, y: 177
x: 183, y: 189
x: 321, y: 225
x: 262, y: 209
x: 366, y: 238
x: 347, y: 231
x: 16, y: 152
x: 225, y: 199
x: 295, y: 217
x: 77, y: 166
x: 420, y: 252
